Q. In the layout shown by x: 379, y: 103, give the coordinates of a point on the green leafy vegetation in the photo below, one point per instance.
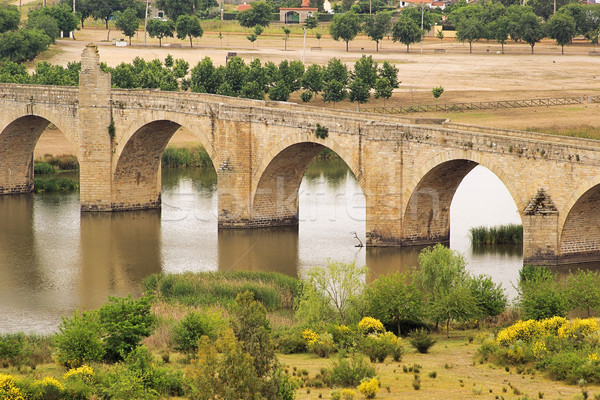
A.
x: 48, y: 184
x: 181, y: 157
x: 503, y: 234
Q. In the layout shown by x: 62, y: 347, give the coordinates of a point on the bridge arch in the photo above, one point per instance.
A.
x: 17, y: 143
x: 578, y: 224
x: 429, y: 194
x: 136, y: 175
x: 277, y: 179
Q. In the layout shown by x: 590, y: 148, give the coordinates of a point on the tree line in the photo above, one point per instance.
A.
x: 334, y: 81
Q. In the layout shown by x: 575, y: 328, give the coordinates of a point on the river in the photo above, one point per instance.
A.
x: 55, y: 260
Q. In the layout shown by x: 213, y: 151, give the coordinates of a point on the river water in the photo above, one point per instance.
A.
x: 54, y: 260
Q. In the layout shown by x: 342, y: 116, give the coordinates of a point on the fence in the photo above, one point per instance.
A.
x: 490, y: 105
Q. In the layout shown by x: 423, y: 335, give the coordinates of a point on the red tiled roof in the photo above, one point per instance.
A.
x: 244, y: 7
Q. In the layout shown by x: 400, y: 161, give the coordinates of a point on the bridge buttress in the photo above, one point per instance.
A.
x: 96, y: 174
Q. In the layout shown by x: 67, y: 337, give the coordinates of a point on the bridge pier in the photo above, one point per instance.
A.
x: 96, y: 172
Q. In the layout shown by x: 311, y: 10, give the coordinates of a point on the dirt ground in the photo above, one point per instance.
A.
x: 485, y: 75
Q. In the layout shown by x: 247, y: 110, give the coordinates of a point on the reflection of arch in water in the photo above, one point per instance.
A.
x: 430, y: 193
x: 118, y: 250
x: 273, y: 250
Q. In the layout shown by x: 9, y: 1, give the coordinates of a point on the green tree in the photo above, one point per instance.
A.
x: 193, y: 326
x: 105, y: 9
x: 79, y: 340
x: 176, y: 8
x: 259, y: 14
x: 46, y: 24
x: 251, y: 327
x: 345, y: 27
x: 160, y: 29
x: 490, y: 298
x: 414, y: 13
x: 394, y: 298
x: 562, y: 28
x: 65, y: 19
x: 441, y: 272
x: 529, y: 29
x: 9, y: 18
x: 585, y: 20
x: 389, y: 72
x: 188, y: 25
x: 280, y: 91
x: 287, y: 32
x: 252, y: 90
x: 499, y: 30
x: 359, y: 91
x: 383, y: 89
x: 377, y: 26
x: 540, y: 295
x: 125, y: 322
x: 235, y: 74
x: 313, y: 78
x: 22, y: 45
x: 311, y: 22
x: 128, y: 22
x: 291, y: 73
x: 205, y: 77
x: 469, y: 30
x: 406, y: 31
x: 456, y: 304
x: 84, y: 8
x: 337, y: 285
x: 545, y: 8
x: 582, y: 291
x: 365, y: 69
x: 336, y: 70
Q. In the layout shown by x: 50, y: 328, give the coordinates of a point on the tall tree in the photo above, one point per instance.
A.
x: 65, y: 19
x: 562, y: 28
x: 469, y: 30
x: 406, y: 31
x: 259, y: 14
x: 105, y: 9
x: 530, y: 29
x: 9, y: 18
x: 365, y: 69
x: 414, y: 13
x: 376, y: 26
x: 188, y: 26
x: 499, y: 30
x: 160, y: 29
x: 128, y: 22
x: 389, y: 72
x: 83, y: 9
x: 345, y: 26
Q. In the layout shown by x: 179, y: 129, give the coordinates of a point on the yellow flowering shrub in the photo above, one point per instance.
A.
x: 310, y: 336
x: 85, y: 373
x: 578, y: 329
x: 593, y: 357
x: 347, y: 394
x: 552, y: 325
x: 8, y: 388
x: 539, y: 349
x: 370, y: 325
x: 520, y: 330
x: 369, y: 388
x: 50, y: 383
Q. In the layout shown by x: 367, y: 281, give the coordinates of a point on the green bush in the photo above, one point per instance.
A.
x: 43, y: 168
x: 54, y: 184
x: 349, y: 372
x: 540, y: 295
x: 192, y: 327
x: 79, y: 340
x: 125, y: 322
x: 290, y: 341
x: 275, y: 291
x: 139, y: 377
x: 421, y: 340
x: 178, y: 157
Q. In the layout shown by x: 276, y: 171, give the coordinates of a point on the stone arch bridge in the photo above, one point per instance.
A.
x: 408, y: 170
